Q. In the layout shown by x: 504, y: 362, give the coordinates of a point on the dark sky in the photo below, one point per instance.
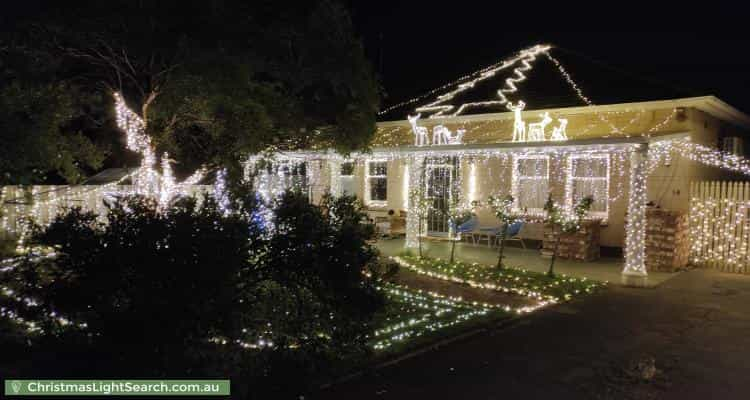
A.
x: 702, y: 48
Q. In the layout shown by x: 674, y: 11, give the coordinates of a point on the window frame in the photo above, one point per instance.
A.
x: 570, y: 178
x: 367, y: 195
x: 515, y: 179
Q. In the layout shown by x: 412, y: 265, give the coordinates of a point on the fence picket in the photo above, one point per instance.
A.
x: 720, y: 225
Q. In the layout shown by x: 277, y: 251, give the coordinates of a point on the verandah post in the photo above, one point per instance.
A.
x: 634, y: 273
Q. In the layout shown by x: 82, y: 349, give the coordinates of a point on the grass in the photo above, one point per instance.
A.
x: 511, y: 280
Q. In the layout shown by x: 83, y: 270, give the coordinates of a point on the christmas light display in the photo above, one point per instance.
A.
x: 147, y: 181
x: 634, y: 272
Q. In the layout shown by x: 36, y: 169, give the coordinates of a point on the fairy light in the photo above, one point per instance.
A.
x: 466, y: 82
x: 148, y: 181
x: 635, y: 228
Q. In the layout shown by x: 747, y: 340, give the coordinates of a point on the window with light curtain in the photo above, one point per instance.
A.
x: 377, y: 181
x: 347, y: 179
x: 589, y: 176
x: 530, y: 182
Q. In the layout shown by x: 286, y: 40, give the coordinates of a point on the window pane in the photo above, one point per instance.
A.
x: 532, y: 193
x: 379, y: 168
x: 378, y: 189
x: 595, y: 188
x: 347, y: 186
x: 593, y: 167
x: 347, y: 169
x: 532, y: 167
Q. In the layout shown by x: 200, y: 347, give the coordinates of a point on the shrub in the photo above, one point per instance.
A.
x: 193, y: 292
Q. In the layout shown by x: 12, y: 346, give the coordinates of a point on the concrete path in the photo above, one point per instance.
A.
x: 604, y: 269
x: 696, y: 328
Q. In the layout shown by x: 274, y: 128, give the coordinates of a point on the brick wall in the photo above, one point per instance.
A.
x: 582, y: 245
x: 667, y: 244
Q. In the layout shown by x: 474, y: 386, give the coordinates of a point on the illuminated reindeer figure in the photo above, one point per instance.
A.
x: 455, y: 139
x: 536, y: 129
x: 519, y: 127
x: 420, y: 132
x: 558, y: 132
x: 440, y: 134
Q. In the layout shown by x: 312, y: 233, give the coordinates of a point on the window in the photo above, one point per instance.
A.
x: 530, y: 184
x: 347, y: 179
x: 588, y: 175
x: 376, y: 183
x: 280, y: 175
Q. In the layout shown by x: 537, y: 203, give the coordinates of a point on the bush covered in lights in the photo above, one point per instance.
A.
x: 192, y: 291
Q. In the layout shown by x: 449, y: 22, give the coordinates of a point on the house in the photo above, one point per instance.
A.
x: 525, y: 127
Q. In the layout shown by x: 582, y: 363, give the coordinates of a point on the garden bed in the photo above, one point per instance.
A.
x: 541, y: 288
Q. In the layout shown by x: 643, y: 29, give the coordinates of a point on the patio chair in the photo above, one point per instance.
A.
x: 485, y: 233
x: 511, y: 233
x: 467, y: 229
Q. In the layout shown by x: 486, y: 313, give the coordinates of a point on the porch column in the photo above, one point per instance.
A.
x: 635, y: 273
x: 414, y: 176
x: 334, y: 172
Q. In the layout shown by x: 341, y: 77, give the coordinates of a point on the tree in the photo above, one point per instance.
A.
x: 420, y: 206
x: 190, y: 291
x: 47, y: 135
x: 457, y: 214
x: 253, y: 76
x: 503, y: 209
x: 564, y: 223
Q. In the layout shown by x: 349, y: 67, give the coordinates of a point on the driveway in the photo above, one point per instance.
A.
x: 695, y: 327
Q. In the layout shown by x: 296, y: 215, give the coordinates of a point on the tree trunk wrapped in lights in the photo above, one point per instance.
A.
x: 503, y: 208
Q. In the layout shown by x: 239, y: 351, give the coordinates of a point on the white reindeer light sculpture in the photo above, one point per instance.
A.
x: 519, y: 127
x: 536, y: 129
x: 420, y: 132
x: 558, y: 132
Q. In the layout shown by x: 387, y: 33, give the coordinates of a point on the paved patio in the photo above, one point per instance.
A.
x: 604, y: 269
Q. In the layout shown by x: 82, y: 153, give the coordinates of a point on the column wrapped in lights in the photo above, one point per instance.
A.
x: 414, y: 168
x: 334, y: 171
x: 634, y: 273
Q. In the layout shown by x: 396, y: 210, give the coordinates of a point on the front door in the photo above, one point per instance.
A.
x: 439, y: 191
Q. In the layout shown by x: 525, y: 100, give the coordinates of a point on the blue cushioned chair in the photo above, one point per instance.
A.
x: 511, y: 233
x: 467, y: 228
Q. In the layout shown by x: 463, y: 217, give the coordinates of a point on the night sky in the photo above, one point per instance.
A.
x: 697, y: 50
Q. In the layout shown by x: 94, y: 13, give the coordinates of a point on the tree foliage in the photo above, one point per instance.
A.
x: 47, y: 134
x: 218, y: 79
x: 193, y: 292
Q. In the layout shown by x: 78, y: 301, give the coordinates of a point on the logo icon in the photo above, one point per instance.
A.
x: 16, y: 386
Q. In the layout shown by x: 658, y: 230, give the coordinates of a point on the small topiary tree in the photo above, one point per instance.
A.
x: 563, y: 223
x: 503, y: 208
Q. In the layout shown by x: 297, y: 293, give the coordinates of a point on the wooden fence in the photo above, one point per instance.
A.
x: 720, y: 225
x: 43, y: 203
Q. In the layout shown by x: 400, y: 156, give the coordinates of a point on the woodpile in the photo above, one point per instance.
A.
x: 582, y: 245
x: 667, y: 242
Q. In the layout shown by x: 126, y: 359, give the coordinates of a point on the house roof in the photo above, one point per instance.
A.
x: 599, y: 101
x: 543, y: 77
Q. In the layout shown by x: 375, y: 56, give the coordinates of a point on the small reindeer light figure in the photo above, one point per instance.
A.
x: 558, y: 132
x: 420, y: 132
x: 536, y: 129
x: 519, y: 127
x: 440, y: 134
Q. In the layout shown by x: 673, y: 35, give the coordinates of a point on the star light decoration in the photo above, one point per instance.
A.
x: 147, y: 180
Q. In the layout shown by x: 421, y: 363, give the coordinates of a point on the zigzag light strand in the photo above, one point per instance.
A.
x: 525, y: 57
